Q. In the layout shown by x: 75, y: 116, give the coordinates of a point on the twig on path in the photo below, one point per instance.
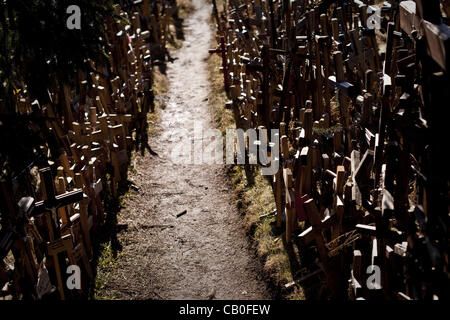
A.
x: 158, y: 295
x: 181, y: 213
x: 162, y: 226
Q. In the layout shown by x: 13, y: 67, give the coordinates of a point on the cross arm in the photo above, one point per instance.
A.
x: 60, y: 201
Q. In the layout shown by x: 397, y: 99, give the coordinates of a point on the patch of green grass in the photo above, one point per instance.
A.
x: 255, y: 201
x: 106, y: 246
x: 132, y: 169
x: 223, y: 117
x: 107, y: 259
x: 107, y: 262
x: 330, y: 130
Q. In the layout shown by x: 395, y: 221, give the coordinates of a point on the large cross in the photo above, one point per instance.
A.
x: 315, y: 233
x: 53, y: 202
x: 426, y: 19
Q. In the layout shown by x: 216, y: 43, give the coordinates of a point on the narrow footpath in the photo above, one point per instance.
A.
x: 184, y: 238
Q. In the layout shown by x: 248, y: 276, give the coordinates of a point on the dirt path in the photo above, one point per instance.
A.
x: 204, y: 253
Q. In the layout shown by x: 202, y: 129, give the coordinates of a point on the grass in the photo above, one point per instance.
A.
x: 254, y: 200
x: 107, y: 249
x: 160, y: 87
x: 329, y: 130
x: 106, y: 263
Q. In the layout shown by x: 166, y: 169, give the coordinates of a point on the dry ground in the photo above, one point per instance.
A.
x: 203, y: 253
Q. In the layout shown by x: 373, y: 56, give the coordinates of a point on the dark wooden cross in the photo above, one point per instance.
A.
x: 53, y: 202
x: 357, y: 57
x: 273, y: 28
x: 361, y: 176
x: 223, y: 53
x: 344, y: 87
x: 216, y: 15
x: 426, y: 17
x: 75, y: 255
x: 314, y: 232
x: 345, y: 91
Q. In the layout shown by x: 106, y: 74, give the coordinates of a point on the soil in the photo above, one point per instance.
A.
x: 181, y: 234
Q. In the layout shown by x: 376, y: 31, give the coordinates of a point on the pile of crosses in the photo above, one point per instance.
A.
x: 86, y: 134
x: 362, y: 186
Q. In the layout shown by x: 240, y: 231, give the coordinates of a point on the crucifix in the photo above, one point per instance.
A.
x: 53, y: 202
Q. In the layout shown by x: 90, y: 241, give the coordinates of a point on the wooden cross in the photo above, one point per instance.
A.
x: 345, y: 91
x: 74, y: 254
x: 344, y: 87
x: 314, y: 232
x: 361, y: 176
x: 53, y: 202
x: 357, y: 58
x: 426, y: 19
x: 223, y: 53
x: 273, y: 27
x: 66, y: 107
x: 324, y: 42
x: 290, y: 204
x: 258, y: 11
x: 15, y: 236
x: 86, y: 220
x: 356, y: 280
